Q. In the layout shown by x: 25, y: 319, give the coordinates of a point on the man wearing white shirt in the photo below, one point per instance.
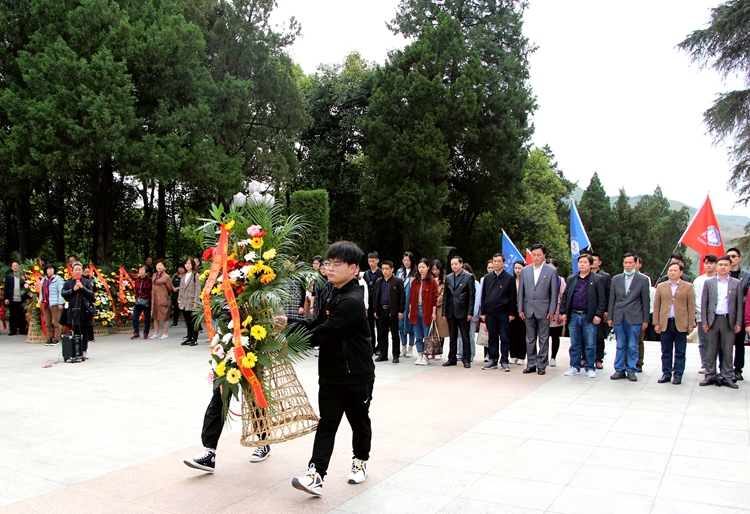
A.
x: 721, y: 316
x: 709, y: 264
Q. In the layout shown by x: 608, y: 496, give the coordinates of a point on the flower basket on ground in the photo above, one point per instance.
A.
x: 103, y: 302
x: 247, y: 283
x: 35, y: 334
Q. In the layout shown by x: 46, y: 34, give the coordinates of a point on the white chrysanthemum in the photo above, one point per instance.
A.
x: 216, y: 339
x: 251, y: 257
x: 226, y: 338
x: 235, y: 275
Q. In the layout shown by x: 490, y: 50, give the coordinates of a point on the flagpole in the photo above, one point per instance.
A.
x: 668, y: 261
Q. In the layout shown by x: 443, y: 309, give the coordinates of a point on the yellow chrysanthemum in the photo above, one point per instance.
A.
x: 249, y: 360
x: 258, y: 332
x: 230, y: 225
x: 216, y: 290
x: 256, y: 242
x: 247, y: 321
x: 233, y: 376
x: 270, y: 254
x: 204, y: 275
x: 268, y: 277
x: 220, y: 369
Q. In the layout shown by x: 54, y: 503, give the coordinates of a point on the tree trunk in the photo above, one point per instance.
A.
x: 148, y: 209
x: 24, y: 217
x: 103, y: 216
x: 161, y: 222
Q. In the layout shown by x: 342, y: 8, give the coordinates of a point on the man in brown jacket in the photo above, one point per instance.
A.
x: 674, y: 319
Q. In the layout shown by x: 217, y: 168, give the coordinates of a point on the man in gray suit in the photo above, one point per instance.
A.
x: 721, y: 315
x: 537, y: 303
x: 629, y: 307
x: 458, y: 307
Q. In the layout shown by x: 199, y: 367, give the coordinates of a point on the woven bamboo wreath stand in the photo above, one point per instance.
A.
x: 36, y: 334
x: 289, y: 414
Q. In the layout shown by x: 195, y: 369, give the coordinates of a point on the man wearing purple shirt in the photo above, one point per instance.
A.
x: 583, y: 303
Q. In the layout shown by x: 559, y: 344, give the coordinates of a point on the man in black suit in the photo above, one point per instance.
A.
x: 583, y: 304
x: 14, y: 295
x: 499, y: 307
x: 370, y: 276
x: 390, y: 302
x: 458, y: 306
x: 739, y: 340
x: 602, y: 329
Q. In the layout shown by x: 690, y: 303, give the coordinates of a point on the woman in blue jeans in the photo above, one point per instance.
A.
x: 408, y: 273
x: 422, y: 307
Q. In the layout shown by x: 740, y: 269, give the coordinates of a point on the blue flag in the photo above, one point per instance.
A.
x: 578, y: 238
x: 511, y: 253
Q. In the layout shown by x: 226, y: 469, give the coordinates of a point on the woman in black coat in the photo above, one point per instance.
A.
x: 79, y: 294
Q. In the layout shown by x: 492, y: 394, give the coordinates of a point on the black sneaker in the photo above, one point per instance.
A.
x: 205, y: 461
x: 49, y: 342
x: 260, y: 454
x: 490, y: 365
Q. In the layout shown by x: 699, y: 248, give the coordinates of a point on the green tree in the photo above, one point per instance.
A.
x: 626, y: 229
x: 330, y: 150
x: 601, y: 222
x: 487, y: 158
x: 426, y: 98
x: 657, y: 229
x: 312, y: 206
x: 724, y: 46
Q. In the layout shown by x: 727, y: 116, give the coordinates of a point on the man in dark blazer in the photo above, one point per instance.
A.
x: 458, y: 307
x: 602, y: 329
x: 537, y: 304
x: 582, y: 306
x: 390, y: 302
x: 370, y: 276
x: 722, y: 318
x: 739, y: 340
x: 14, y: 295
x: 629, y: 307
x: 498, y: 309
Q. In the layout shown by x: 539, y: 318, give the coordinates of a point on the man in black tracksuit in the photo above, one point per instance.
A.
x: 345, y: 368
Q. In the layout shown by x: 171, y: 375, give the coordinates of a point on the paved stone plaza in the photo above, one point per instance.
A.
x: 109, y: 436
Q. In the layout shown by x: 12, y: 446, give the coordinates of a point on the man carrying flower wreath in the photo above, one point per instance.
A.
x: 345, y: 368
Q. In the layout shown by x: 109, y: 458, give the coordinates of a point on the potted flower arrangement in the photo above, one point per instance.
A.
x: 103, y: 303
x: 122, y: 287
x: 32, y: 278
x: 248, y: 269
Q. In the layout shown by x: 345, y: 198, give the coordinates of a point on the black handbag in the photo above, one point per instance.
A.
x: 143, y: 302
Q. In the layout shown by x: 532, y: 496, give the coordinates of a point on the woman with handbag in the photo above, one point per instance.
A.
x: 188, y: 297
x: 438, y: 271
x: 422, y: 307
x: 142, y: 289
x: 79, y: 294
x: 160, y: 290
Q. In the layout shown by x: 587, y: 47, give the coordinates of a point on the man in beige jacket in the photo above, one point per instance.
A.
x: 674, y: 319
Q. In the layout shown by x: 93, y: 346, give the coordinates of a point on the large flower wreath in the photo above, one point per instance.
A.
x: 248, y: 267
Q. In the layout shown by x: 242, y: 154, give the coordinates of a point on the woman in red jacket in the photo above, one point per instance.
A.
x: 422, y: 306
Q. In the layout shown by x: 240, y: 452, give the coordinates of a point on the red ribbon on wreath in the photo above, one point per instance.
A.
x: 219, y: 262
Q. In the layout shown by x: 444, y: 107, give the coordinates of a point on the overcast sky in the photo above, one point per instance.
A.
x: 614, y: 94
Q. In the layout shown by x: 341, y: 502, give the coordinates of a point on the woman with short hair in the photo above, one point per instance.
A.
x: 188, y: 297
x: 80, y: 297
x: 160, y: 291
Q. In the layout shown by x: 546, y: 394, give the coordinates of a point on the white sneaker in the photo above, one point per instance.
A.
x: 359, y: 471
x: 165, y: 336
x: 513, y: 361
x: 702, y: 371
x: 520, y: 362
x: 552, y: 362
x: 418, y: 362
x: 85, y: 355
x: 310, y: 482
x: 403, y: 351
x: 572, y: 372
x: 154, y: 337
x: 425, y: 361
x: 591, y: 373
x: 409, y: 352
x: 260, y: 454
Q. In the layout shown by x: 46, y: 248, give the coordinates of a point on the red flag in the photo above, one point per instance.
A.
x: 529, y: 257
x: 702, y: 234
